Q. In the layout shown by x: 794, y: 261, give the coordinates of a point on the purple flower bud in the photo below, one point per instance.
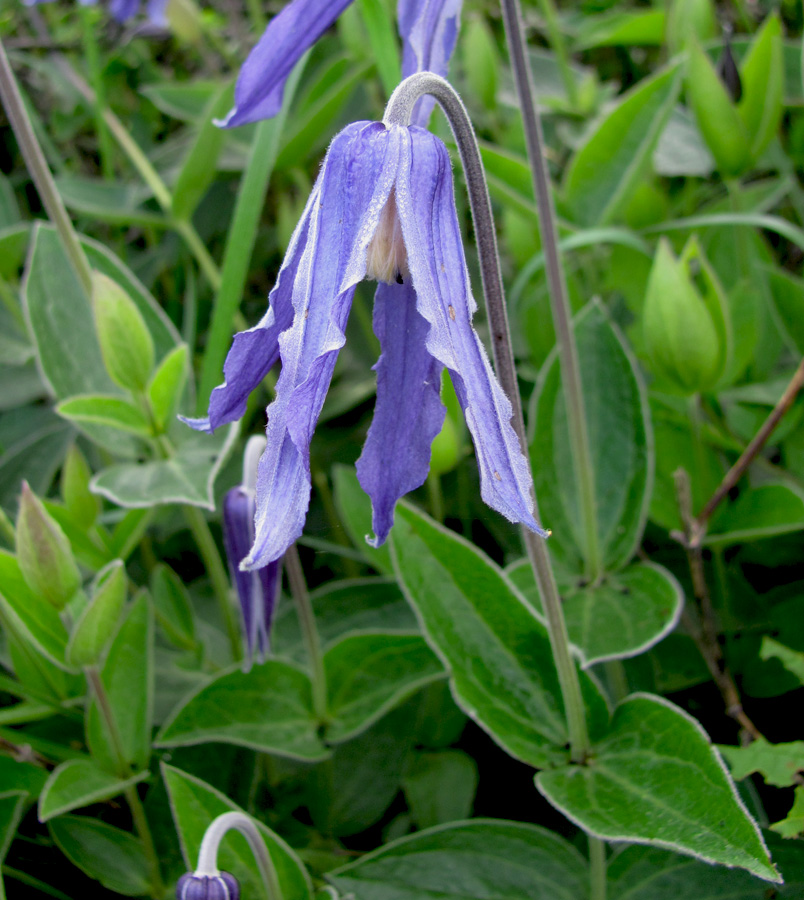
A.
x: 222, y: 886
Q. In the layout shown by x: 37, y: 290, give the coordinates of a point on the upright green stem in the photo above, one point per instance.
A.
x: 398, y: 111
x: 124, y: 770
x: 304, y: 610
x: 89, y: 21
x: 240, y: 242
x: 741, y: 243
x: 40, y: 173
x: 217, y: 575
x: 597, y: 868
x: 559, y: 300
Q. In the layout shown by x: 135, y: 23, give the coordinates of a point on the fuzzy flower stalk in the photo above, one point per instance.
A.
x: 382, y: 208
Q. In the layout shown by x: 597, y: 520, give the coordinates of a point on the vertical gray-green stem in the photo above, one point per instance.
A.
x: 398, y: 112
x: 304, y: 610
x: 559, y: 300
x: 40, y: 173
x: 217, y: 575
x: 124, y: 770
x: 597, y: 868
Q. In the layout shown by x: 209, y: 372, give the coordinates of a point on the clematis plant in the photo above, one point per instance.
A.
x: 382, y: 208
x: 429, y: 29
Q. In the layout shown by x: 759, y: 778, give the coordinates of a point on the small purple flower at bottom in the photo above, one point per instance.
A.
x: 123, y: 10
x: 222, y: 886
x: 257, y: 591
x: 382, y: 207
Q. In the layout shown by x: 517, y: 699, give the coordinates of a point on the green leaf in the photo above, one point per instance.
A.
x: 621, y: 29
x: 793, y: 823
x: 656, y: 779
x: 354, y: 509
x: 484, y: 859
x: 199, y: 165
x: 30, y: 615
x: 369, y: 674
x: 638, y: 873
x: 116, y: 202
x: 128, y: 676
x: 792, y: 660
x: 167, y: 385
x: 187, y: 477
x: 109, y: 855
x: 98, y: 620
x: 77, y: 783
x: 440, y: 787
x: 761, y: 512
x: 268, y: 709
x: 788, y: 298
x: 185, y: 100
x: 12, y: 806
x: 496, y: 649
x: 382, y: 37
x: 24, y: 777
x: 618, y: 424
x: 614, y: 158
x: 9, y: 210
x: 172, y: 606
x: 778, y: 764
x: 101, y: 409
x: 622, y: 616
x: 681, y: 149
x: 195, y: 804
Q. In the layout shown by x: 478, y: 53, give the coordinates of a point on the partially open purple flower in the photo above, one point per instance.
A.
x: 257, y: 591
x: 383, y: 208
x: 428, y: 28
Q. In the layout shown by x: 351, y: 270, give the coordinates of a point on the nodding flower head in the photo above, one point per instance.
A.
x: 429, y: 30
x: 377, y: 182
x: 222, y: 886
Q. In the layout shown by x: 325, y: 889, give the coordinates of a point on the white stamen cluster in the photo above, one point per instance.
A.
x: 387, y: 256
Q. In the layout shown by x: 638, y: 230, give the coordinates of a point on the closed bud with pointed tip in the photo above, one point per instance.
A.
x: 222, y: 886
x: 43, y: 552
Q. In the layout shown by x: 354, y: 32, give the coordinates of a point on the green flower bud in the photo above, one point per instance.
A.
x: 81, y: 503
x: 126, y: 343
x: 43, y: 552
x: 681, y: 336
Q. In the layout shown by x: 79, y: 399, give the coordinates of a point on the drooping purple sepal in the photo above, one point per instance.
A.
x: 355, y: 181
x: 437, y: 265
x: 408, y: 413
x: 261, y: 84
x: 257, y: 591
x: 222, y: 886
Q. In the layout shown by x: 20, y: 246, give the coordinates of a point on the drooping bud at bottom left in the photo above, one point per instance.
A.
x: 222, y: 886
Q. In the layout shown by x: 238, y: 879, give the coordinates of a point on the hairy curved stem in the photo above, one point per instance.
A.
x: 398, y: 111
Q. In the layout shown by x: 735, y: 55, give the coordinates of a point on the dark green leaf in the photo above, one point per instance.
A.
x: 354, y: 509
x: 77, y: 783
x: 496, y: 649
x: 778, y: 764
x: 764, y: 511
x: 656, y: 779
x: 12, y: 806
x: 440, y: 787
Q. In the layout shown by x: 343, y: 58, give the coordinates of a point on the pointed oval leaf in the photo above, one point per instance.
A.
x: 621, y: 438
x: 98, y: 621
x: 622, y: 616
x: 269, y: 708
x: 610, y: 164
x: 761, y: 512
x: 762, y: 75
x: 195, y: 804
x: 167, y: 385
x: 485, y: 859
x: 77, y: 783
x: 103, y: 409
x: 495, y: 647
x: 656, y: 779
x: 369, y: 674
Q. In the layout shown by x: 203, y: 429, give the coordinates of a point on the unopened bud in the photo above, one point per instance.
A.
x: 43, y: 552
x: 222, y: 886
x: 126, y: 343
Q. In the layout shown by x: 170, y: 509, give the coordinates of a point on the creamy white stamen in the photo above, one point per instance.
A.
x: 387, y: 257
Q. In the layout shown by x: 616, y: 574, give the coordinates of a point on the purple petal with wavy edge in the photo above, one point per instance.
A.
x: 429, y: 30
x: 435, y: 255
x: 408, y: 413
x: 356, y: 180
x: 261, y: 83
x: 254, y: 352
x: 257, y: 591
